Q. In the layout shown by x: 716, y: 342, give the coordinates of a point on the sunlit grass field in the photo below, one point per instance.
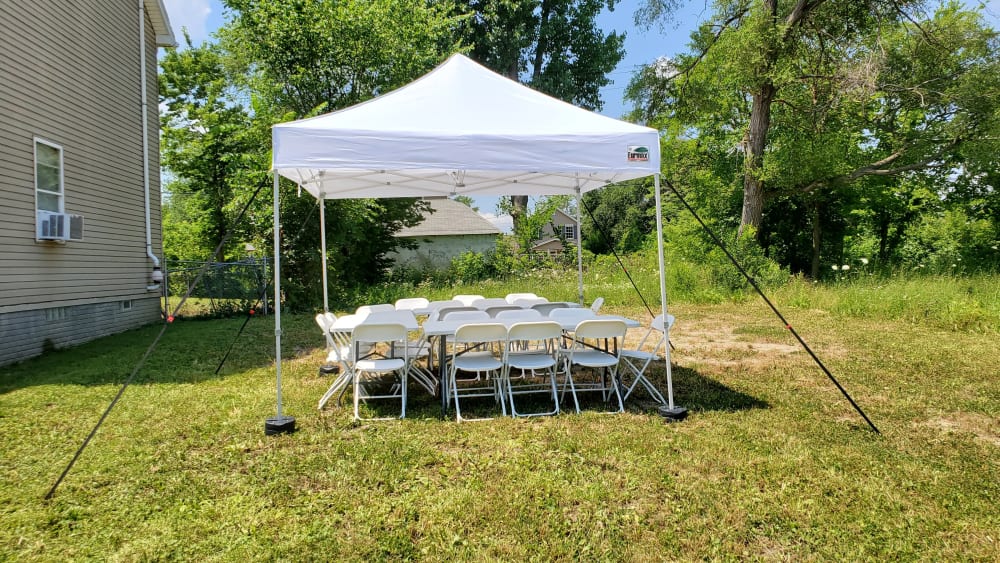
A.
x: 772, y: 462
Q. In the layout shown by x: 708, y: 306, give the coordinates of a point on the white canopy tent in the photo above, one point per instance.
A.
x: 460, y: 129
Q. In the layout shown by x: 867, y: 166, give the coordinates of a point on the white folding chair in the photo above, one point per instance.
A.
x: 588, y: 349
x: 468, y: 300
x: 324, y: 324
x: 467, y: 316
x: 480, y: 342
x: 637, y: 360
x: 493, y: 311
x: 416, y: 348
x: 519, y: 315
x: 380, y: 308
x: 529, y: 302
x: 369, y: 372
x: 511, y: 297
x: 488, y: 302
x: 411, y: 304
x: 596, y: 305
x: 341, y: 352
x: 570, y: 317
x: 436, y: 305
x: 540, y: 353
x: 546, y: 308
x: 440, y: 314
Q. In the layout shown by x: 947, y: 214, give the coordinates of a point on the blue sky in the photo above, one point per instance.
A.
x: 202, y: 17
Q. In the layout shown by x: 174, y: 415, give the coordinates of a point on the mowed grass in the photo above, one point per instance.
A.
x: 772, y: 462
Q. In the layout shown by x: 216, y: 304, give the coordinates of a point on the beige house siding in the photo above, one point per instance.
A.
x: 70, y: 75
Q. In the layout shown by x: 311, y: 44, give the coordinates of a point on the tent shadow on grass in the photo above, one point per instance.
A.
x: 693, y: 390
x: 697, y: 392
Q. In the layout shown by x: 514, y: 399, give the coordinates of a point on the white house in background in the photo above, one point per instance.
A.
x: 79, y: 171
x: 451, y: 230
x: 560, y: 225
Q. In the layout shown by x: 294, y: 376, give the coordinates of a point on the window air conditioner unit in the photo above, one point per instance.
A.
x: 58, y: 226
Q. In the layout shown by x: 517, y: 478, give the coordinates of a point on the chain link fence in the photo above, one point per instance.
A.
x: 227, y: 288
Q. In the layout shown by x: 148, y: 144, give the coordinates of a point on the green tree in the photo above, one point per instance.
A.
x: 466, y: 200
x: 282, y: 60
x: 533, y: 223
x: 820, y: 99
x: 202, y: 146
x: 625, y: 213
x: 554, y: 46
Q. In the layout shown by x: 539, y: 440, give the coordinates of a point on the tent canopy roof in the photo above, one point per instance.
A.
x: 461, y: 129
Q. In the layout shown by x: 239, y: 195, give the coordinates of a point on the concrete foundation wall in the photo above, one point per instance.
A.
x: 24, y: 334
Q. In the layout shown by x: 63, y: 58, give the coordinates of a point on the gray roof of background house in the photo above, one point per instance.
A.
x: 450, y: 218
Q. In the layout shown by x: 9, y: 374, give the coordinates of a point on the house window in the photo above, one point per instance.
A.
x: 569, y: 232
x: 48, y: 176
x: 127, y: 305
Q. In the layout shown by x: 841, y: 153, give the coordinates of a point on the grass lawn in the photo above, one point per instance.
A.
x: 772, y: 463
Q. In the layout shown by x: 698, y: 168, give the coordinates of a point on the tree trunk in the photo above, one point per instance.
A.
x: 883, y: 238
x: 542, y: 46
x: 519, y: 205
x: 753, y: 185
x: 817, y: 239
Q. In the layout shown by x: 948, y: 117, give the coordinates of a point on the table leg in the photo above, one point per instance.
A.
x: 442, y: 375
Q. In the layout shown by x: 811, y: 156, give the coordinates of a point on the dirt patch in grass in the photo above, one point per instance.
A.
x: 725, y: 342
x: 984, y: 428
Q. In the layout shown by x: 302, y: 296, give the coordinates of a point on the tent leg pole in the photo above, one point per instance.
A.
x: 280, y: 423
x: 669, y: 411
x: 322, y: 238
x: 579, y: 243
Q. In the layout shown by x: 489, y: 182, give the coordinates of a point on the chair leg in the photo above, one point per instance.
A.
x: 357, y: 396
x: 405, y: 376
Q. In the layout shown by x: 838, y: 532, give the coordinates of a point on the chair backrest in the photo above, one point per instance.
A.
x: 443, y: 312
x: 657, y: 323
x: 519, y: 314
x: 546, y: 308
x: 410, y: 303
x: 596, y: 305
x: 529, y: 302
x: 468, y: 300
x: 437, y: 305
x: 369, y: 309
x: 656, y: 326
x: 330, y: 319
x: 534, y: 330
x: 379, y: 332
x: 404, y: 317
x: 494, y: 311
x: 511, y: 297
x: 485, y: 304
x: 601, y: 328
x: 472, y: 316
x: 323, y: 323
x: 571, y: 314
x: 480, y: 332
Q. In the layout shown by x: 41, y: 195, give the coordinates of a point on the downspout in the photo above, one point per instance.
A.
x: 157, y: 275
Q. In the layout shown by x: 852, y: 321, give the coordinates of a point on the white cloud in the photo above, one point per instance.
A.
x: 191, y: 15
x: 504, y: 222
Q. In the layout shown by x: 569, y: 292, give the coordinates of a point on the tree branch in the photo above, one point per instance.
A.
x: 876, y: 168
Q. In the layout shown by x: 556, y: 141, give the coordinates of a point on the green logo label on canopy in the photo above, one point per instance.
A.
x: 638, y: 153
